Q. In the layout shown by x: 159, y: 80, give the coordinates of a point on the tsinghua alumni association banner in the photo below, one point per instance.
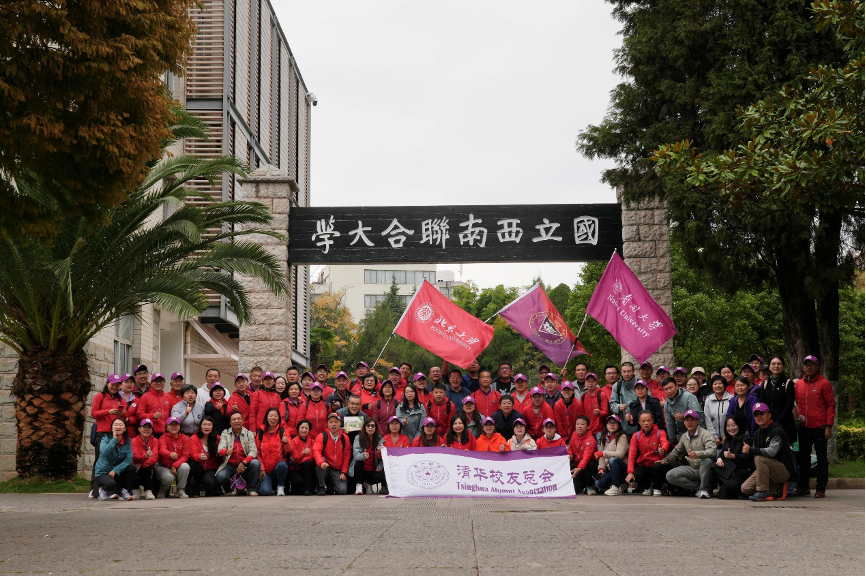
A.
x: 443, y: 472
x: 476, y: 233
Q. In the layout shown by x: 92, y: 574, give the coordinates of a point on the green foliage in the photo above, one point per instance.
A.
x: 601, y: 346
x: 851, y: 345
x: 39, y: 485
x: 850, y: 442
x: 332, y: 322
x: 848, y: 469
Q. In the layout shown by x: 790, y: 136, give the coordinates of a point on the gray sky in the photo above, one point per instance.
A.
x: 455, y: 102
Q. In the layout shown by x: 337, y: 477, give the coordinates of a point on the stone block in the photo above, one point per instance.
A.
x: 653, y: 232
x: 281, y: 206
x: 630, y: 232
x: 639, y: 249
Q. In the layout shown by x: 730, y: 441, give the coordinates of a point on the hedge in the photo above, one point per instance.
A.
x: 850, y: 442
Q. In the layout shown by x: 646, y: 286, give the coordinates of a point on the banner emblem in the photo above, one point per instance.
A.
x: 427, y: 475
x: 547, y: 327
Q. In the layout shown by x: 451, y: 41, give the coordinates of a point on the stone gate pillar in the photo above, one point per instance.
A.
x: 266, y: 340
x: 646, y: 247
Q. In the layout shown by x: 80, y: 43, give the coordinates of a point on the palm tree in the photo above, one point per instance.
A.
x: 56, y: 296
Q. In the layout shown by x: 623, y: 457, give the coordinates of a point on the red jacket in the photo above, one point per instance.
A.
x: 566, y: 415
x: 271, y: 449
x: 488, y: 403
x: 139, y: 451
x: 424, y: 396
x: 291, y: 414
x: 317, y: 413
x: 591, y: 402
x: 437, y: 443
x: 298, y: 445
x: 815, y: 401
x: 196, y: 448
x: 402, y: 441
x: 243, y: 404
x: 383, y: 410
x: 524, y: 405
x: 491, y: 444
x: 337, y: 455
x: 534, y: 420
x: 260, y: 402
x: 367, y: 399
x: 152, y: 402
x: 102, y: 403
x: 468, y: 446
x: 442, y: 414
x: 543, y: 443
x: 169, y: 445
x: 581, y: 448
x: 644, y: 449
x: 132, y: 417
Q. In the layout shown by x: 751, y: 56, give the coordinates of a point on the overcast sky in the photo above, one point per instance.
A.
x: 455, y: 102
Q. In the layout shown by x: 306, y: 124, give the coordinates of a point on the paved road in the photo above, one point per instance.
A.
x: 368, y: 535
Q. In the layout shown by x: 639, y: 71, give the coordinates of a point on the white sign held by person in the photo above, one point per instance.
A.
x: 443, y: 472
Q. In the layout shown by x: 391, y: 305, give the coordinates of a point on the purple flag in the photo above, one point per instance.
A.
x: 534, y: 316
x: 628, y: 312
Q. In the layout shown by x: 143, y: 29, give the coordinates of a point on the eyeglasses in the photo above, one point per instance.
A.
x: 371, y: 426
x: 759, y: 413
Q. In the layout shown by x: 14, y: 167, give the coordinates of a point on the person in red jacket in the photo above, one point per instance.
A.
x: 550, y: 438
x: 272, y: 444
x: 332, y: 452
x: 458, y: 436
x: 302, y: 465
x: 538, y: 410
x: 260, y: 401
x: 653, y: 386
x: 145, y: 452
x: 203, y: 459
x: 156, y: 405
x: 322, y: 378
x: 441, y: 409
x: 581, y: 452
x: 173, y: 455
x: 520, y: 393
x: 369, y: 392
x: 424, y: 396
x: 397, y: 380
x: 307, y: 380
x: 395, y: 438
x: 240, y: 399
x: 107, y: 406
x: 293, y: 409
x: 385, y: 406
x: 428, y: 436
x: 816, y: 404
x: 566, y: 410
x: 491, y: 441
x: 316, y: 411
x: 486, y: 397
x: 133, y: 400
x: 647, y: 448
x: 596, y: 404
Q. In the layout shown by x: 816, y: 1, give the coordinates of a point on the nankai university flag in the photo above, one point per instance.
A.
x: 628, y: 311
x: 534, y: 316
x: 440, y: 326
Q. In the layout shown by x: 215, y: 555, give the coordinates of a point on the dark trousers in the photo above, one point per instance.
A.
x: 93, y: 486
x: 303, y: 479
x: 144, y: 478
x: 584, y: 477
x: 373, y: 477
x: 200, y: 479
x: 808, y: 438
x: 113, y: 485
x: 650, y: 477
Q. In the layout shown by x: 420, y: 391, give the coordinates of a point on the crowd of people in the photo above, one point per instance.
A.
x: 657, y: 432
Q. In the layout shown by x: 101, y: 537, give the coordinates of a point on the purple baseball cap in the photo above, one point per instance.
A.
x: 428, y: 421
x: 156, y: 376
x: 517, y: 420
x: 469, y: 399
x: 520, y: 377
x: 316, y: 385
x: 536, y: 391
x: 662, y: 369
x: 614, y: 417
x: 567, y: 385
x: 646, y: 364
x: 811, y: 358
x: 267, y: 375
x: 394, y: 370
x: 241, y: 376
x: 341, y: 374
x: 217, y: 384
x: 362, y: 364
x: 114, y: 378
x: 419, y: 376
x: 680, y: 370
x: 691, y: 413
x: 139, y: 368
x: 321, y: 366
x: 756, y: 357
x: 488, y: 420
x: 172, y: 420
x: 593, y: 375
x: 548, y: 421
x: 176, y: 375
x: 551, y: 376
x: 543, y: 366
x: 126, y: 377
x: 760, y: 408
x: 747, y: 366
x: 395, y: 418
x: 308, y: 374
x: 145, y: 422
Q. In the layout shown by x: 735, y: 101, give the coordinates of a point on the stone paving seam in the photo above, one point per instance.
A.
x: 367, y: 548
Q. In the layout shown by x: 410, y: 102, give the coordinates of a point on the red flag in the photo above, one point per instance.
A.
x: 440, y: 326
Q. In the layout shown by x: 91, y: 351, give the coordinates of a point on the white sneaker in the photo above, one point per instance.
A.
x: 136, y: 494
x: 657, y: 493
x: 253, y: 494
x: 124, y: 494
x: 281, y: 492
x: 181, y: 494
x: 149, y: 496
x: 359, y: 489
x: 614, y: 491
x: 102, y: 494
x: 648, y: 492
x: 702, y: 494
x: 91, y: 495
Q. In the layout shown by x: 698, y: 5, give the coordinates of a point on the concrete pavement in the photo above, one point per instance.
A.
x: 366, y: 535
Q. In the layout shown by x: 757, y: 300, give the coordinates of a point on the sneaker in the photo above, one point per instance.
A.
x: 281, y: 491
x: 321, y: 492
x: 614, y: 491
x: 253, y: 494
x: 91, y: 495
x: 368, y: 489
x: 702, y: 494
x: 761, y: 496
x: 359, y: 489
x: 802, y: 492
x: 125, y: 495
x: 149, y: 496
x: 181, y: 494
x: 383, y: 489
x: 819, y: 494
x: 591, y: 491
x: 307, y: 493
x: 657, y: 493
x: 102, y: 494
x: 648, y: 492
x: 136, y: 494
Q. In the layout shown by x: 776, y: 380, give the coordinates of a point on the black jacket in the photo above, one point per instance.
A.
x: 505, y: 425
x: 779, y: 394
x: 652, y: 405
x: 220, y: 419
x: 773, y: 436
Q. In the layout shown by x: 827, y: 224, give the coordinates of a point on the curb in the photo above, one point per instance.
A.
x: 842, y: 483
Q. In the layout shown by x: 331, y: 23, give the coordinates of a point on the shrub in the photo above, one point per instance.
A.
x: 850, y: 442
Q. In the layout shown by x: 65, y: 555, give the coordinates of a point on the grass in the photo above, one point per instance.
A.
x: 847, y: 469
x: 37, y: 485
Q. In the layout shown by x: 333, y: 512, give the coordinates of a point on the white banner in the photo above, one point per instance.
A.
x: 442, y: 472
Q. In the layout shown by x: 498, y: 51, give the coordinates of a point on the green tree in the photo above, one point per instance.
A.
x: 55, y: 297
x: 330, y: 314
x: 83, y: 105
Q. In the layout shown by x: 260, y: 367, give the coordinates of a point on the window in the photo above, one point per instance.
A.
x: 370, y: 301
x: 413, y: 277
x: 123, y: 344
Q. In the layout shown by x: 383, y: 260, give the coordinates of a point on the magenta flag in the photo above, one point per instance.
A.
x: 625, y: 308
x: 534, y: 316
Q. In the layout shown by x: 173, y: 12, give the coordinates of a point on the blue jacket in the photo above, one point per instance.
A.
x: 457, y: 397
x: 682, y: 402
x: 113, y: 457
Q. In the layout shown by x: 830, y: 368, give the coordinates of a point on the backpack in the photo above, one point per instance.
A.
x: 448, y: 405
x: 326, y: 436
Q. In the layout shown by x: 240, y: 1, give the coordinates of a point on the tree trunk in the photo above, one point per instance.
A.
x: 799, y: 326
x: 50, y: 395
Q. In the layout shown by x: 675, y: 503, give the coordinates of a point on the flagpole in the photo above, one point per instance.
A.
x: 581, y: 326
x: 400, y: 320
x: 383, y: 350
x: 574, y: 343
x: 512, y: 302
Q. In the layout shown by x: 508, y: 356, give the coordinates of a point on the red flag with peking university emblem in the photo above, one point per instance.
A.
x: 432, y: 321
